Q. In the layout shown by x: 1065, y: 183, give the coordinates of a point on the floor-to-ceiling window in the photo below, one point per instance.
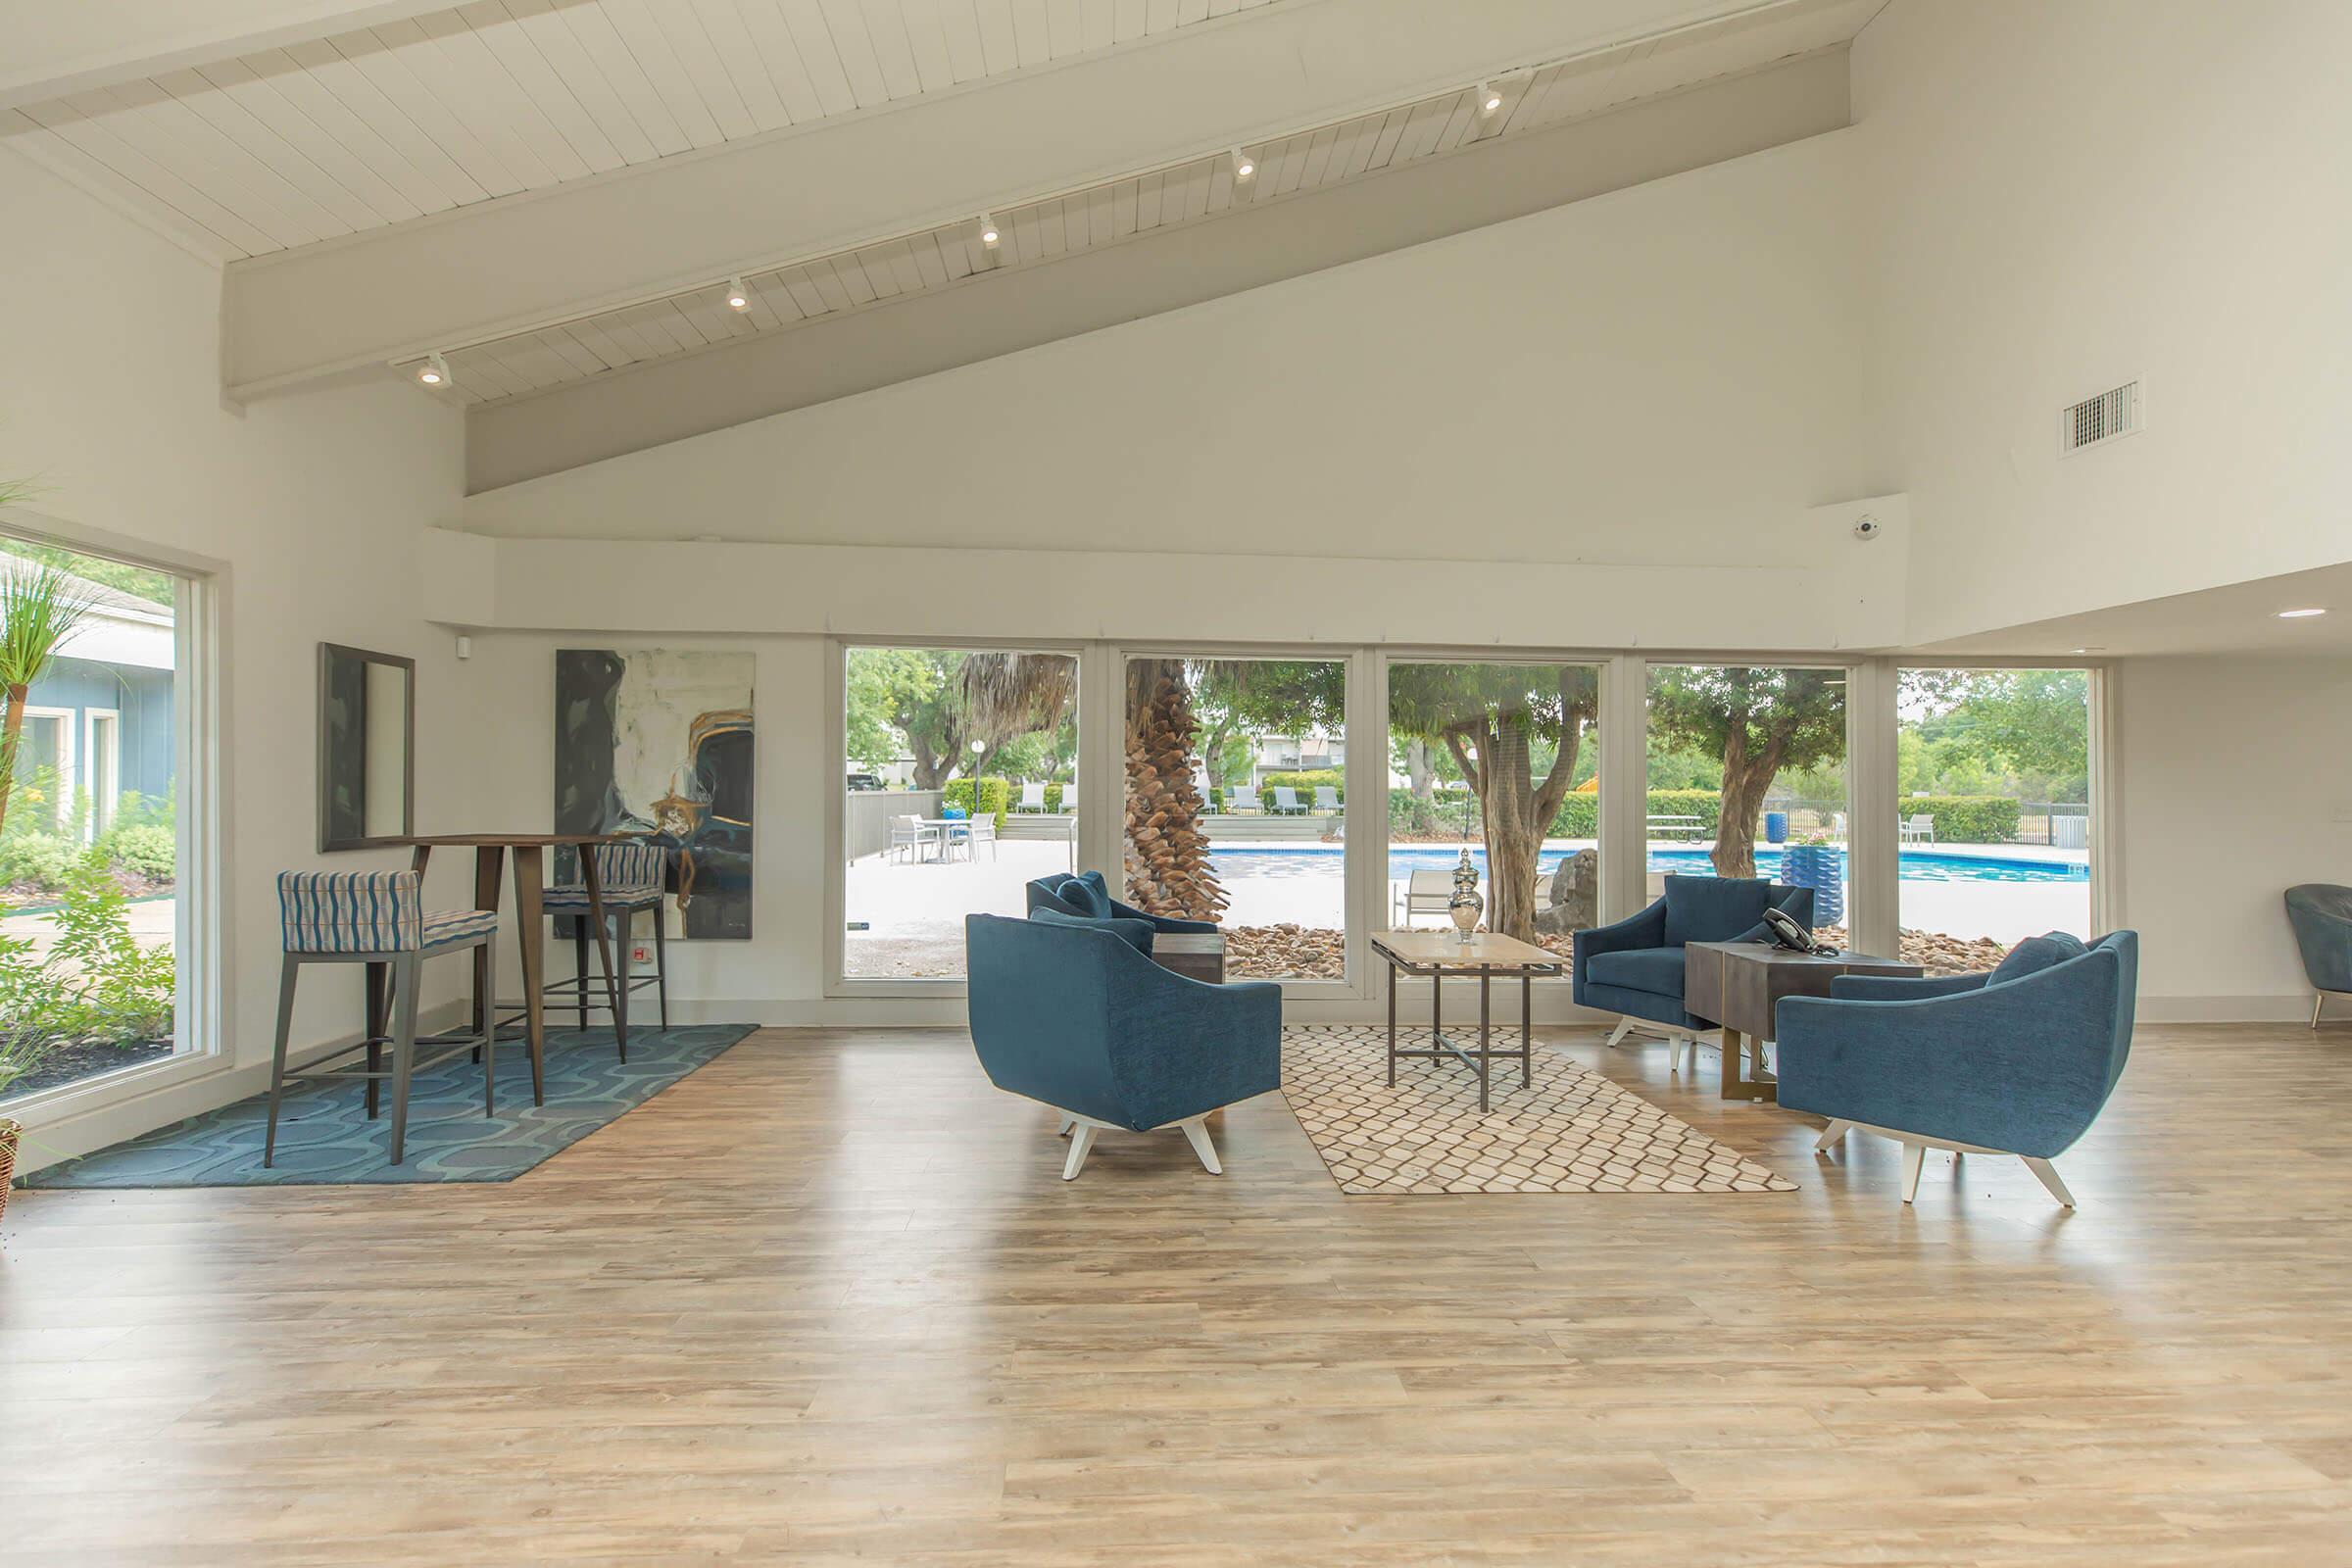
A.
x: 1993, y: 773
x: 1748, y: 779
x: 92, y: 892
x: 960, y: 784
x: 1500, y: 760
x: 1236, y: 783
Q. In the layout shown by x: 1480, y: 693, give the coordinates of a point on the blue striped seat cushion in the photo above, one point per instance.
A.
x: 570, y: 899
x: 350, y: 911
x: 445, y: 927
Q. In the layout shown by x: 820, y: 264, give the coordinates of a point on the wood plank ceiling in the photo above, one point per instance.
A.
x: 344, y: 134
x: 782, y: 297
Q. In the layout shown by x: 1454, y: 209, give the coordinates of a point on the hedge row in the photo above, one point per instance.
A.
x: 995, y: 797
x: 1959, y: 818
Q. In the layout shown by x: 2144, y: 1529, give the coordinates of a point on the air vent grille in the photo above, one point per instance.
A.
x: 2100, y: 418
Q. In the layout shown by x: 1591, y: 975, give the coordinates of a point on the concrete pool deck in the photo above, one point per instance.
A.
x: 915, y: 911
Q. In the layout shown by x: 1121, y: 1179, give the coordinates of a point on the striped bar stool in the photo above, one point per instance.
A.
x: 632, y: 874
x: 377, y: 918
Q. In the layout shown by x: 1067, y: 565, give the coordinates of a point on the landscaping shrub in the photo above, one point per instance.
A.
x: 1967, y: 819
x: 35, y: 860
x: 95, y: 984
x: 150, y: 849
x: 1305, y: 784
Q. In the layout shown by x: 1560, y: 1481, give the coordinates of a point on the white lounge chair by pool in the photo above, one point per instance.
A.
x: 1327, y: 798
x: 1033, y: 798
x: 1286, y: 802
x: 1240, y: 801
x: 1918, y: 829
x: 911, y: 834
x: 1425, y: 892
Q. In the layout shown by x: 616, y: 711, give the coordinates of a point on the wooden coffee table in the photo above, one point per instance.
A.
x: 1194, y: 955
x: 1437, y: 954
x: 1738, y: 984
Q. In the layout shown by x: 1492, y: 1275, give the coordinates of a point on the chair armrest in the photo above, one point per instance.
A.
x: 1901, y: 987
x: 2019, y: 1067
x: 1160, y: 922
x: 1644, y: 930
x: 1181, y: 1047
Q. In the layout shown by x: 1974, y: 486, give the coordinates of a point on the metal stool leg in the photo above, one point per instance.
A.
x: 621, y: 979
x: 579, y: 949
x: 277, y: 1060
x: 378, y: 1000
x: 486, y: 1026
x: 404, y: 1047
x: 661, y: 964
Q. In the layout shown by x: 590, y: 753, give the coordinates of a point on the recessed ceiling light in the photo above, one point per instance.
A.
x: 988, y: 231
x: 434, y: 372
x: 1489, y: 99
x: 1244, y: 166
x: 739, y: 298
x: 2301, y: 614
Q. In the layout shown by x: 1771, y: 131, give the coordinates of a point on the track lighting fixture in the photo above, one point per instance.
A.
x: 988, y: 231
x: 1489, y: 98
x: 434, y: 372
x: 1244, y: 166
x: 739, y: 298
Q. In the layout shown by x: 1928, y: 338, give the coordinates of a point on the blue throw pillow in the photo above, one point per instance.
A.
x: 1137, y: 934
x: 2034, y: 954
x: 1088, y: 894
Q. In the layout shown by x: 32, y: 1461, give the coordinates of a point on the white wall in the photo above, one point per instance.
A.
x: 110, y: 399
x: 1666, y: 374
x: 2236, y: 776
x: 2063, y: 197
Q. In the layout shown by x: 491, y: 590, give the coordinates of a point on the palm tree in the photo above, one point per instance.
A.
x: 40, y: 608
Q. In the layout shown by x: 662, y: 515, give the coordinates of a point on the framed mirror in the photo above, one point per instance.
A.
x: 367, y: 748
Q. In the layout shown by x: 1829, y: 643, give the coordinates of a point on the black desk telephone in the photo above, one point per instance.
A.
x: 1782, y: 931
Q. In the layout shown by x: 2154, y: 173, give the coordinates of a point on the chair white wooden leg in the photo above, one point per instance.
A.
x: 1625, y: 1026
x: 1830, y: 1135
x: 2319, y: 999
x: 1067, y: 1122
x: 1914, y: 1155
x: 1196, y: 1130
x: 1081, y: 1142
x: 2050, y: 1179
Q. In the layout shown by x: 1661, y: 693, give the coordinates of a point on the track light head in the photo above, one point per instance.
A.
x: 1489, y: 98
x: 988, y: 231
x: 739, y: 298
x: 1244, y: 167
x: 434, y: 372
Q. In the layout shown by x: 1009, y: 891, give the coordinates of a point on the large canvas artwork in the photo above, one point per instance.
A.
x: 657, y: 743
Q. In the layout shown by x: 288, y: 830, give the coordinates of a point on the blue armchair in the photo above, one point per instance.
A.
x: 2017, y: 1061
x: 1087, y: 895
x: 1635, y: 967
x: 1079, y: 1019
x: 2321, y: 915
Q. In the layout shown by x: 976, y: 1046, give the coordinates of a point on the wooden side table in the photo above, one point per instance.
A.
x: 1437, y: 955
x: 1194, y: 955
x: 1738, y: 984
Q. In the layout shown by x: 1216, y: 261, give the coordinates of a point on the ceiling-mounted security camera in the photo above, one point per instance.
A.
x: 1869, y: 529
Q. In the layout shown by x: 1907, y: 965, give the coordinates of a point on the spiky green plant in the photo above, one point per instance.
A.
x: 40, y: 608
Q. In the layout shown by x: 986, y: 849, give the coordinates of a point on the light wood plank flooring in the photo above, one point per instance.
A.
x: 827, y: 1302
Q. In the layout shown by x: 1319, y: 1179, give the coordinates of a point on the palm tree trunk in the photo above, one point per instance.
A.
x: 1169, y: 871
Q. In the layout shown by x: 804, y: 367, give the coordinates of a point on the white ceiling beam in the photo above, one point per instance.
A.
x: 508, y: 265
x: 56, y: 47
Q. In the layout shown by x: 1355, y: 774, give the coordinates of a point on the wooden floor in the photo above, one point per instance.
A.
x: 826, y: 1301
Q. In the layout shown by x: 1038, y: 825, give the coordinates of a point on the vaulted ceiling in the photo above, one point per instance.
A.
x: 556, y: 195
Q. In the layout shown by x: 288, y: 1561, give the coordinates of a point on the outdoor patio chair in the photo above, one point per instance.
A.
x: 1286, y: 802
x: 982, y: 829
x: 378, y: 918
x: 911, y: 834
x: 1033, y: 798
x: 1240, y: 801
x: 1425, y: 892
x: 1327, y: 798
x: 1918, y: 829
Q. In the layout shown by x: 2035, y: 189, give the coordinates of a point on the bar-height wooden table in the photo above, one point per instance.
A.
x: 1437, y: 955
x: 529, y: 849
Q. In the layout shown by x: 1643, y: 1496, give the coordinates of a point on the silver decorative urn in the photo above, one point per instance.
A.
x: 1465, y: 905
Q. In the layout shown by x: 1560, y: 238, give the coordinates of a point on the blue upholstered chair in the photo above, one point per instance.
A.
x: 378, y: 918
x: 2321, y: 915
x: 632, y: 874
x: 1089, y: 896
x: 1072, y: 1015
x: 1635, y: 967
x: 2017, y: 1061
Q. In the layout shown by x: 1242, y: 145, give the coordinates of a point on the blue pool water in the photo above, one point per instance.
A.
x: 1319, y: 860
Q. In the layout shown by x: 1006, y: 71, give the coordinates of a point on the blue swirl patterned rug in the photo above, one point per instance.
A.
x: 326, y: 1139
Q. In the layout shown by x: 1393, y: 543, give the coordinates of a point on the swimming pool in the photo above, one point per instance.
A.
x: 1323, y: 861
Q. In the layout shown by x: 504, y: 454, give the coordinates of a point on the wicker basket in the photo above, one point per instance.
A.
x: 7, y: 1159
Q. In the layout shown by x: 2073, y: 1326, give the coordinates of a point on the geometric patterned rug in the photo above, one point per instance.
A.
x: 325, y: 1137
x: 1571, y: 1130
